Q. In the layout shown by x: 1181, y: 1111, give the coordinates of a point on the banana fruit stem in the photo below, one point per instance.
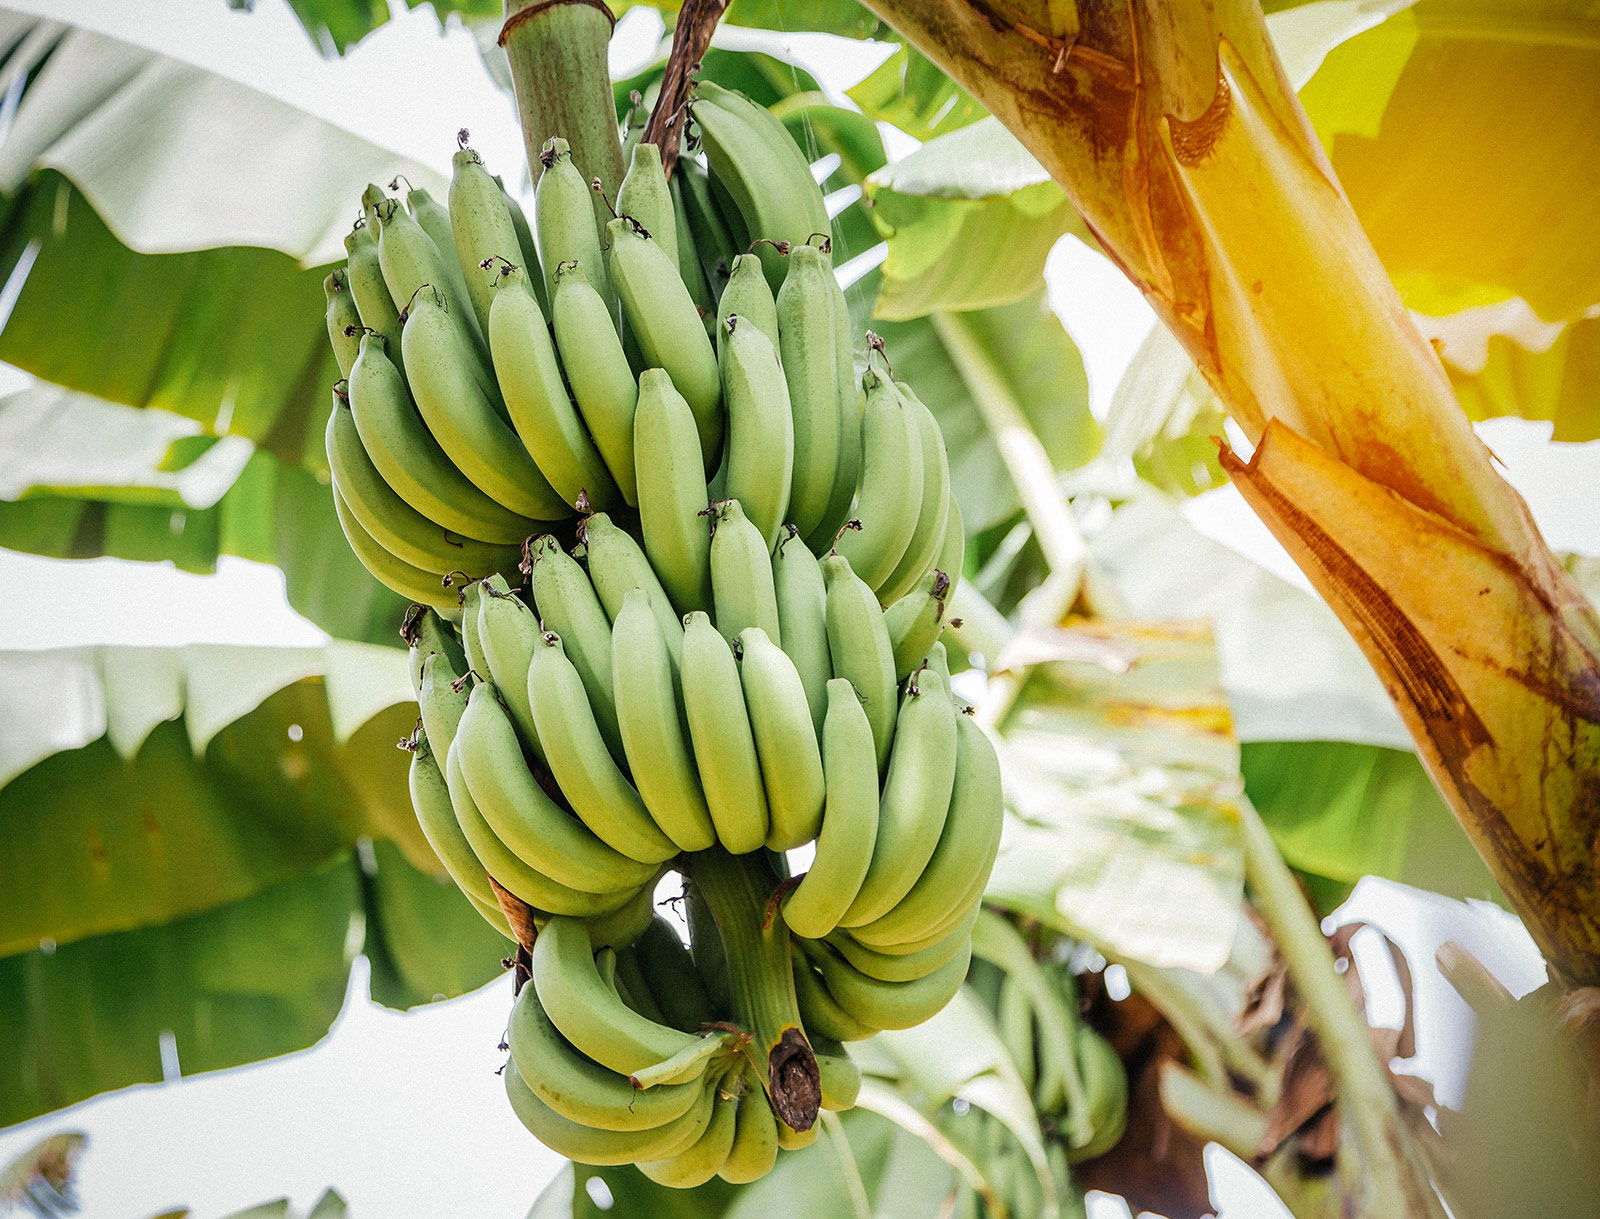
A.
x: 738, y: 888
x: 559, y: 73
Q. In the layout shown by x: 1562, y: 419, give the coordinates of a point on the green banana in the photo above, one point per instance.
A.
x: 529, y: 373
x: 906, y: 966
x: 822, y: 1014
x: 915, y: 620
x: 653, y: 735
x: 724, y: 746
x: 672, y: 492
x: 507, y: 866
x: 838, y: 1075
x: 343, y: 319
x: 563, y: 213
x: 952, y: 546
x: 741, y: 575
x: 482, y: 230
x: 669, y: 969
x: 588, y: 1013
x: 967, y: 846
x: 698, y: 1163
x: 688, y: 259
x: 597, y: 369
x: 849, y: 822
x: 532, y: 825
x: 891, y: 484
x: 396, y: 525
x: 477, y: 662
x: 786, y: 744
x: 707, y: 951
x: 421, y: 586
x: 928, y: 537
x: 811, y: 368
x: 431, y: 800
x: 847, y: 475
x: 590, y: 1145
x: 399, y: 444
x: 568, y: 605
x: 526, y: 243
x: 1105, y: 1085
x: 578, y: 758
x: 755, y: 1138
x: 441, y: 702
x: 916, y: 797
x: 435, y: 222
x: 632, y: 987
x: 1014, y: 1020
x: 645, y: 196
x: 427, y: 633
x: 760, y: 457
x: 617, y: 566
x: 465, y: 423
x: 753, y: 157
x: 802, y: 619
x: 714, y: 244
x: 747, y: 295
x: 859, y: 647
x: 364, y: 275
x: 579, y: 1089
x: 508, y: 633
x: 662, y: 317
x: 890, y: 1005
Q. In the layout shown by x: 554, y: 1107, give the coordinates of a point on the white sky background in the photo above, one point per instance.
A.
x: 403, y: 1113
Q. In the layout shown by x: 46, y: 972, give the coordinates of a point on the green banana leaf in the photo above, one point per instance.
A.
x: 842, y: 17
x: 1163, y: 418
x: 911, y: 92
x: 337, y: 25
x: 175, y: 818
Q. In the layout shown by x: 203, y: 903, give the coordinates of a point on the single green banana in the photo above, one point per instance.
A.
x: 364, y: 274
x: 410, y: 460
x: 623, y: 926
x: 822, y: 1014
x: 579, y: 1089
x: 434, y: 220
x: 526, y: 243
x: 588, y: 1013
x: 506, y: 866
x: 811, y: 368
x: 859, y: 647
x: 536, y: 397
x: 891, y: 484
x: 634, y: 989
x: 890, y: 1005
x: 426, y: 633
x: 803, y: 619
x: 394, y: 573
x: 597, y: 369
x: 672, y: 492
x: 1014, y: 1020
x: 431, y: 800
x: 741, y: 575
x: 952, y: 546
x: 645, y: 196
x: 960, y: 864
x: 714, y: 244
x: 904, y: 966
x: 708, y: 953
x: 747, y: 295
x: 753, y: 157
x: 849, y: 820
x: 508, y: 633
x: 563, y: 212
x: 838, y: 1074
x: 916, y: 797
x: 463, y: 420
x: 915, y: 621
x: 786, y: 743
x: 441, y: 702
x: 568, y: 605
x: 617, y: 566
x: 755, y: 1138
x: 515, y: 807
x: 482, y: 231
x: 760, y: 456
x: 578, y: 758
x: 343, y: 319
x: 662, y: 317
x: 689, y: 266
x: 697, y: 1164
x: 848, y: 474
x: 653, y: 735
x: 591, y: 1145
x: 669, y: 969
x: 396, y: 525
x: 724, y: 746
x: 928, y: 537
x: 477, y: 662
x: 1105, y: 1085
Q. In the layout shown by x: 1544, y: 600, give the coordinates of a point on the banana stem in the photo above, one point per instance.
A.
x: 737, y: 889
x: 562, y: 81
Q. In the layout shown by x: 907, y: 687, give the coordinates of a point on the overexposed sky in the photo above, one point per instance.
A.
x: 402, y: 1113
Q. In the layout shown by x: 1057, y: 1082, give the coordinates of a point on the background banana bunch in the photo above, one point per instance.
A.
x: 681, y: 572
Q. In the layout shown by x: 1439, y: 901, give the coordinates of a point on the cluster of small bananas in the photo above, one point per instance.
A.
x: 701, y: 691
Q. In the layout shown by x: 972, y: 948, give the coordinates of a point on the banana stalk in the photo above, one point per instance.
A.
x: 1173, y: 129
x: 738, y: 890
